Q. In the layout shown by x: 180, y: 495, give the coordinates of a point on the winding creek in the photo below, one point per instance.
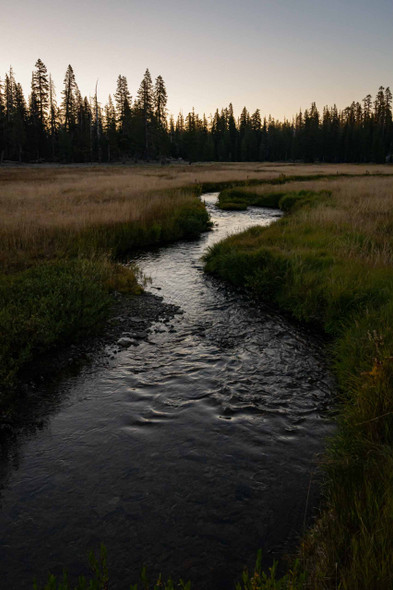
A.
x: 187, y: 452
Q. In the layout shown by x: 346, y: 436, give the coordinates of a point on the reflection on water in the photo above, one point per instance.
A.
x: 186, y: 453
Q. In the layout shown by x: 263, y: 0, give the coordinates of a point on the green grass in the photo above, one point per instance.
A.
x: 236, y: 199
x: 324, y: 266
x: 51, y: 304
x: 99, y: 579
x: 62, y: 292
x: 185, y: 221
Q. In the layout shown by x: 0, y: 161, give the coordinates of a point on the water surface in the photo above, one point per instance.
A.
x: 186, y: 453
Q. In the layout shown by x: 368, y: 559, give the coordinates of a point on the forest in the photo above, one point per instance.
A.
x: 80, y: 129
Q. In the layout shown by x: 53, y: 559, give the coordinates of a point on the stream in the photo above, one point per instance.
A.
x: 186, y: 453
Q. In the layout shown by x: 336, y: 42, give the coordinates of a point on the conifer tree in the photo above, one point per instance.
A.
x: 160, y: 116
x: 53, y: 117
x: 190, y: 136
x: 110, y: 130
x: 36, y: 129
x: 172, y: 137
x: 311, y: 134
x: 39, y: 103
x: 380, y: 112
x: 97, y: 126
x: 83, y: 140
x: 160, y: 102
x: 144, y: 107
x: 255, y: 136
x: 2, y: 123
x: 20, y: 122
x: 9, y: 93
x: 40, y: 87
x: 388, y: 125
x: 233, y: 135
x: 245, y: 132
x: 69, y: 93
x: 15, y: 117
x: 123, y: 100
x: 124, y: 116
x: 179, y: 136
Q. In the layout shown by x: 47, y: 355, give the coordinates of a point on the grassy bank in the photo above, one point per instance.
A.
x: 59, y: 243
x: 236, y: 199
x: 330, y: 263
x: 100, y: 578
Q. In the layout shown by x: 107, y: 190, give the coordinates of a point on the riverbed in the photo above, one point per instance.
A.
x: 188, y: 449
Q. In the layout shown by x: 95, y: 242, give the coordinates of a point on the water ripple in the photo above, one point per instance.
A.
x: 189, y: 452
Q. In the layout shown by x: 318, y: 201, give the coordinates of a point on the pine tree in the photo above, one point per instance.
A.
x: 255, y: 136
x: 207, y: 145
x: 39, y: 103
x: 97, y: 126
x: 245, y: 132
x: 380, y: 112
x: 233, y: 135
x: 160, y: 102
x: 124, y: 116
x: 110, y: 130
x: 388, y: 125
x: 15, y: 118
x: 9, y: 94
x: 311, y: 148
x: 2, y: 123
x: 36, y: 129
x: 69, y: 93
x: 144, y: 107
x: 160, y: 117
x: 123, y: 100
x: 83, y: 133
x: 178, y: 148
x: 40, y: 87
x: 190, y: 136
x: 53, y: 118
x: 20, y: 121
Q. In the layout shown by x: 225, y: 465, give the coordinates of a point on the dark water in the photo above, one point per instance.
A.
x: 187, y: 453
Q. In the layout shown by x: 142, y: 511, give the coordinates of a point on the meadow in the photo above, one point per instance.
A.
x: 328, y: 263
x: 49, y: 211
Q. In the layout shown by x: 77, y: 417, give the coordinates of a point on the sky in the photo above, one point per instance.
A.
x: 275, y: 55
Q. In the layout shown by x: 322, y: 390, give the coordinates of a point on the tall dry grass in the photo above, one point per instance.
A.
x: 43, y: 206
x: 359, y: 214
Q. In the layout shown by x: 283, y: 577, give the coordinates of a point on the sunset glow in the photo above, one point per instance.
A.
x: 276, y: 55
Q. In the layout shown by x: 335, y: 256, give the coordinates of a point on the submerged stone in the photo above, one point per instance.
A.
x: 125, y: 342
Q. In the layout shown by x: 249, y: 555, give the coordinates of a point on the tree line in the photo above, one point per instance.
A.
x: 80, y: 129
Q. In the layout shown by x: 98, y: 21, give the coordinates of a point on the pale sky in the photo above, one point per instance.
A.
x: 275, y: 55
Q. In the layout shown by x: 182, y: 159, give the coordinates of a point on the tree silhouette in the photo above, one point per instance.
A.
x: 82, y: 130
x: 144, y: 108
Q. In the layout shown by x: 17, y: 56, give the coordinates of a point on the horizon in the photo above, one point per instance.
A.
x: 236, y: 108
x: 275, y: 56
